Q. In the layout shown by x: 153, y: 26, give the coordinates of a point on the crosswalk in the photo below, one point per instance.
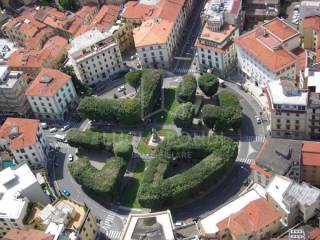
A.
x: 113, y: 234
x: 61, y: 144
x: 185, y: 70
x: 107, y: 222
x: 244, y: 160
x: 253, y: 138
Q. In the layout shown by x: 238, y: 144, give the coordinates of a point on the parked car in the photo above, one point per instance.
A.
x: 65, y: 128
x: 70, y: 158
x: 44, y: 125
x: 178, y: 224
x: 121, y: 88
x: 52, y: 130
x: 66, y: 193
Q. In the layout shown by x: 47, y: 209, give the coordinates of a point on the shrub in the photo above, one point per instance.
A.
x: 209, y: 84
x: 183, y: 116
x: 133, y: 78
x: 125, y: 111
x: 228, y: 99
x: 213, y: 157
x: 123, y: 149
x: 186, y: 89
x: 210, y: 114
x: 104, y: 182
x: 87, y: 139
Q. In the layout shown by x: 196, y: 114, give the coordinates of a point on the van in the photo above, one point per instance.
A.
x: 60, y: 138
x: 221, y: 83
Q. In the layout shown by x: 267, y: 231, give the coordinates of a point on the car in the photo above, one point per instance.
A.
x: 178, y: 224
x: 52, y: 130
x: 44, y: 125
x: 65, y: 128
x: 66, y: 193
x: 70, y: 157
x: 121, y: 88
x: 133, y: 57
x: 258, y: 119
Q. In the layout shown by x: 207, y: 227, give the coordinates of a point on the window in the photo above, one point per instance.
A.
x: 278, y: 126
x: 297, y: 121
x: 278, y: 120
x: 22, y: 150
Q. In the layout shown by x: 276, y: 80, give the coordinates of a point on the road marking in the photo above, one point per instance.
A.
x: 254, y: 138
x: 113, y: 234
x: 244, y: 160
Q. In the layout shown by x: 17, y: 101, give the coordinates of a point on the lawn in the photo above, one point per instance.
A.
x: 129, y: 196
x: 117, y: 136
x: 170, y: 104
x: 144, y: 148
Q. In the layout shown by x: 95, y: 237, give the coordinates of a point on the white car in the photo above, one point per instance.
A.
x: 64, y: 128
x: 52, y: 130
x: 70, y: 158
x: 258, y: 119
x: 121, y: 89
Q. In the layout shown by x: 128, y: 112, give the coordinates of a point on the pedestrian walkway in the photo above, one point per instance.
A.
x: 61, y: 144
x: 253, y: 138
x: 185, y: 70
x: 244, y: 160
x: 107, y: 222
x: 113, y: 234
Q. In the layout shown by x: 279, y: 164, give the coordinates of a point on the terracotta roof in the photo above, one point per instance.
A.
x: 312, y: 22
x: 315, y: 234
x: 263, y: 44
x: 57, y: 80
x: 30, y: 234
x: 252, y: 218
x: 217, y: 37
x: 153, y: 31
x: 56, y: 45
x: 27, y: 129
x: 219, y: 50
x: 302, y: 59
x: 280, y: 29
x: 310, y: 154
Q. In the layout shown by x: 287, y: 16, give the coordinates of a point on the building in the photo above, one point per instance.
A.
x: 7, y: 47
x: 268, y: 53
x: 230, y: 11
x: 294, y: 201
x: 24, y: 138
x: 51, y: 94
x: 162, y: 26
x: 211, y: 226
x: 260, y: 10
x: 308, y: 9
x: 27, y: 32
x: 107, y: 21
x: 277, y: 157
x: 18, y: 187
x: 287, y: 109
x: 29, y: 234
x: 311, y: 32
x: 68, y: 219
x: 157, y: 225
x: 257, y: 220
x: 310, y: 163
x: 13, y: 101
x: 215, y: 48
x: 31, y: 61
x: 95, y: 57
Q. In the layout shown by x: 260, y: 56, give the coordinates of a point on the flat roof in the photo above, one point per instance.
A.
x: 275, y: 89
x: 20, y: 178
x: 278, y: 155
x: 209, y: 224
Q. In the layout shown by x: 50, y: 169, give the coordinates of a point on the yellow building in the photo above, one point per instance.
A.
x: 123, y: 34
x: 311, y: 32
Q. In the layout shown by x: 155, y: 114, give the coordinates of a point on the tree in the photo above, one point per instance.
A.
x: 134, y: 79
x: 68, y: 5
x: 210, y: 115
x: 183, y: 115
x: 186, y: 89
x: 81, y: 88
x: 209, y: 84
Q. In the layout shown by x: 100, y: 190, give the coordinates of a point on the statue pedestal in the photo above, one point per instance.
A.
x: 155, y: 142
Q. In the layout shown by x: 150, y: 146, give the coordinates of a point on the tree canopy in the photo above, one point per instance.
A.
x: 183, y: 115
x: 186, y: 89
x: 209, y: 84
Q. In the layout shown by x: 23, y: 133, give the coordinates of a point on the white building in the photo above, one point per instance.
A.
x: 160, y: 225
x: 95, y: 57
x: 24, y: 138
x: 269, y: 52
x: 51, y: 94
x: 288, y: 109
x: 17, y: 187
x: 295, y: 202
x: 12, y: 98
x: 215, y: 47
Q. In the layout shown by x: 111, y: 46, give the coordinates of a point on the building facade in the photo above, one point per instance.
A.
x: 24, y: 138
x: 51, y: 95
x: 13, y: 101
x: 95, y: 57
x: 310, y: 163
x: 311, y: 32
x: 267, y: 53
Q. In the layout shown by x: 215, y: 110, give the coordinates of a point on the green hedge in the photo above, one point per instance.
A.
x: 186, y: 90
x: 87, y: 139
x: 212, y: 156
x: 183, y: 115
x: 123, y: 149
x: 105, y: 182
x: 125, y: 111
x: 209, y: 84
